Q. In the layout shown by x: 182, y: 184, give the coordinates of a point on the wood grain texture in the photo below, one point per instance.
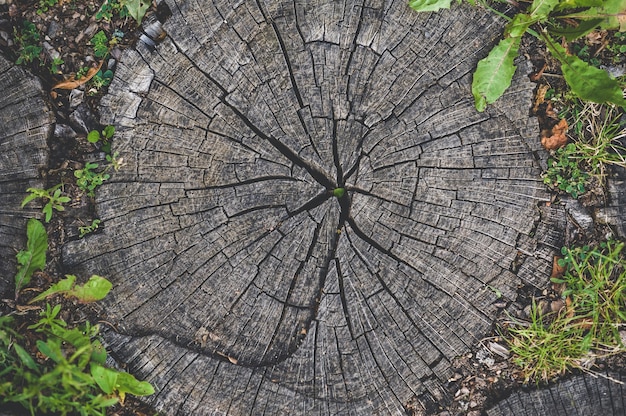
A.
x: 583, y: 395
x: 241, y: 285
x: 25, y: 125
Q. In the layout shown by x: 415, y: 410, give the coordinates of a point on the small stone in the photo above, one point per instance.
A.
x: 82, y: 119
x: 472, y: 404
x: 464, y: 391
x: 76, y: 98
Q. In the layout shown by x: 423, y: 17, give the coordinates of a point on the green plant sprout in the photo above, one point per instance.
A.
x: 33, y: 258
x: 339, y: 192
x: 55, y: 65
x: 564, y: 172
x: 595, y: 299
x: 53, y: 197
x: 63, y: 371
x: 88, y: 229
x: 494, y: 73
x: 88, y: 179
x: 124, y: 8
x: 28, y: 41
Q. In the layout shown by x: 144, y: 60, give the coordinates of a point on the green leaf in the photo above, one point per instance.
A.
x: 96, y: 288
x: 34, y: 258
x: 518, y: 26
x: 127, y: 383
x: 494, y: 73
x: 586, y: 81
x: 339, y: 192
x: 137, y: 8
x: 98, y: 353
x: 429, y: 5
x: 25, y: 357
x: 93, y: 136
x: 540, y: 9
x: 571, y: 33
x: 108, y: 131
x: 51, y: 349
x: 104, y: 377
x: 61, y: 286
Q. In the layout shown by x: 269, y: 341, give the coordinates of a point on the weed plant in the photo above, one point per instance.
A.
x: 53, y: 198
x: 587, y: 327
x: 63, y: 371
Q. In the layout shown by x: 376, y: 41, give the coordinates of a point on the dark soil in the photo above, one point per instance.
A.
x: 481, y: 378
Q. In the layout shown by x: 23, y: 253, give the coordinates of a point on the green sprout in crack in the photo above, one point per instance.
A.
x: 339, y: 192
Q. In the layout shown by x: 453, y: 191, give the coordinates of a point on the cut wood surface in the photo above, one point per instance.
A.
x: 25, y: 125
x: 603, y: 394
x: 242, y: 285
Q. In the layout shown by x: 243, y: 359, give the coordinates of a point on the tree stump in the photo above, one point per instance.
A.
x: 312, y: 217
x: 583, y: 395
x: 25, y: 125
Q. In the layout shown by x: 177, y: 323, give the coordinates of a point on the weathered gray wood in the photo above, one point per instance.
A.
x: 25, y: 125
x: 614, y: 213
x: 584, y: 395
x: 241, y: 286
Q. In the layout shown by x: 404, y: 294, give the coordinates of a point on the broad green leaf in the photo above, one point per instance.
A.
x: 586, y: 81
x: 429, y: 5
x: 339, y: 192
x: 104, y: 377
x: 540, y: 9
x: 612, y: 13
x: 127, y: 383
x: 108, y: 131
x: 93, y: 136
x: 34, y: 257
x: 494, y: 73
x: 96, y: 288
x: 136, y: 8
x: 98, y: 353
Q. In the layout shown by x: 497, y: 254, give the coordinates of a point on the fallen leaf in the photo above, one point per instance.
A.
x: 555, y: 138
x: 540, y: 97
x: 535, y: 76
x: 72, y: 83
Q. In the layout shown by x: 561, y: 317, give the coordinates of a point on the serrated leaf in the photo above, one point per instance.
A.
x: 494, y: 73
x: 586, y: 81
x: 429, y: 5
x: 137, y: 8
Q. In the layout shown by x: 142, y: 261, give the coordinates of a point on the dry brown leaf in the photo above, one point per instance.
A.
x: 72, y: 83
x: 556, y: 137
x: 540, y: 97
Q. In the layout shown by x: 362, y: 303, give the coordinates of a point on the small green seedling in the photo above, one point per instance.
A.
x: 88, y: 179
x: 28, y: 41
x: 339, y: 192
x: 53, y: 197
x: 100, y: 44
x: 88, y: 229
x: 34, y: 257
x: 564, y: 172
